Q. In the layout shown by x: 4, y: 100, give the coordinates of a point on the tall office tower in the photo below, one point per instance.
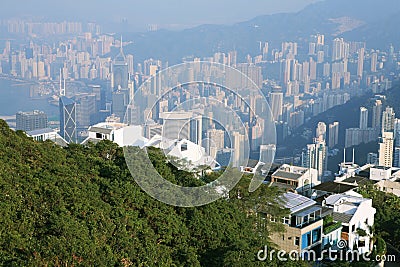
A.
x: 396, y: 157
x: 68, y: 119
x: 131, y: 64
x: 386, y: 150
x: 363, y: 118
x: 85, y: 110
x: 316, y: 156
x: 120, y: 101
x: 397, y: 132
x: 374, y: 61
x: 360, y: 67
x: 29, y: 121
x: 388, y: 119
x: 214, y: 142
x: 276, y: 104
x: 333, y: 134
x: 120, y: 74
x: 238, y: 146
x: 196, y: 129
x: 377, y: 114
x: 321, y: 130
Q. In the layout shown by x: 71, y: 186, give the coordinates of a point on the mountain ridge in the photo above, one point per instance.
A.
x: 204, y: 40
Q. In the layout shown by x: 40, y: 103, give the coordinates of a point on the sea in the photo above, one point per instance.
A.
x: 15, y: 96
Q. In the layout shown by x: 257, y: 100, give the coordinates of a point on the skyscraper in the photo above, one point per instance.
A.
x: 360, y: 67
x: 29, y: 121
x: 363, y: 118
x: 386, y: 150
x: 388, y: 119
x: 316, y: 156
x: 374, y: 61
x: 377, y: 114
x: 276, y: 103
x: 333, y: 134
x: 340, y: 49
x: 68, y: 119
x: 120, y: 71
x: 85, y: 109
x: 321, y: 130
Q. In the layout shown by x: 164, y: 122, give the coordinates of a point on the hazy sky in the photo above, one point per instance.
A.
x: 166, y: 13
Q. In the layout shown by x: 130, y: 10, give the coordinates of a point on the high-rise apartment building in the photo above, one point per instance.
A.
x: 360, y: 66
x: 321, y: 130
x: 374, y: 62
x: 377, y: 114
x: 363, y: 118
x: 29, y: 121
x: 316, y: 156
x: 276, y: 103
x: 388, y: 119
x: 333, y: 134
x: 386, y: 150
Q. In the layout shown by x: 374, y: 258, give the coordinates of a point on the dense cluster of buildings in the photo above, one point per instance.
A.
x: 308, y: 82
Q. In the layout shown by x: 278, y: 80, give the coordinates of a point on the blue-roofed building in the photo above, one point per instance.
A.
x: 303, y: 226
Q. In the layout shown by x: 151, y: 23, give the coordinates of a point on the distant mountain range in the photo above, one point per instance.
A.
x: 372, y: 21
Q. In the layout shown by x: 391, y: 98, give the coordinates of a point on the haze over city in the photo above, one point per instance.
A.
x: 172, y: 14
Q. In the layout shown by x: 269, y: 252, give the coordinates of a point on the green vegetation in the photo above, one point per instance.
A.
x: 387, y: 217
x: 330, y: 225
x: 80, y: 206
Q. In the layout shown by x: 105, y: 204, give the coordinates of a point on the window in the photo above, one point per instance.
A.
x: 297, y: 241
x: 353, y: 228
x: 316, y: 235
x: 184, y: 147
x: 312, y: 216
x: 286, y: 220
x: 305, y: 219
x: 98, y: 135
x: 283, y: 237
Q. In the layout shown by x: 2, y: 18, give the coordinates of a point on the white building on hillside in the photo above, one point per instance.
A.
x: 357, y: 217
x: 119, y: 133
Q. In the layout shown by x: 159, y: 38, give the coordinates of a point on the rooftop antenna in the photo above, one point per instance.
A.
x: 62, y: 89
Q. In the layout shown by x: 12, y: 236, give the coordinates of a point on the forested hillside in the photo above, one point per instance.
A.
x: 80, y: 206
